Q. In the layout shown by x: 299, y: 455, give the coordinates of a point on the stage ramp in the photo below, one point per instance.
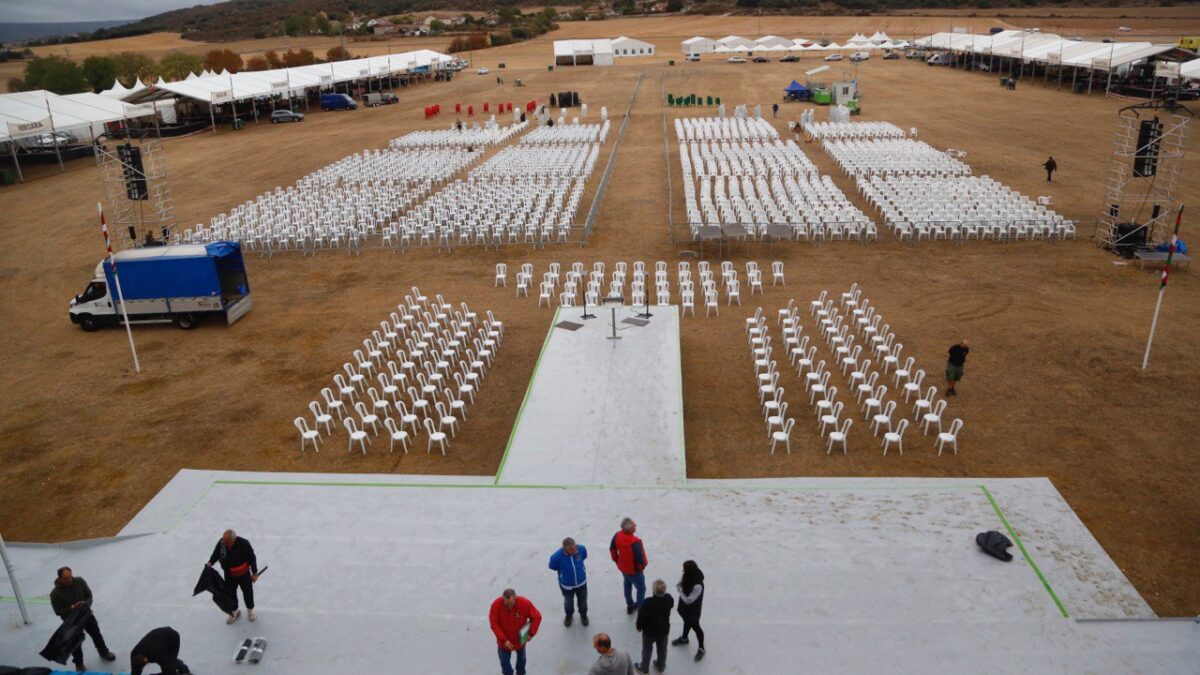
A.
x: 599, y: 410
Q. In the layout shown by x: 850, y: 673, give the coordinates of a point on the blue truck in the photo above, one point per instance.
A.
x: 337, y: 102
x: 180, y: 284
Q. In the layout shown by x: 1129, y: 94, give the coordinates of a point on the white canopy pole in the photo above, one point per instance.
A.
x: 12, y: 579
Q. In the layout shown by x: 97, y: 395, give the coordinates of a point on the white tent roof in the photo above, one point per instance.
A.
x: 879, y: 36
x: 735, y: 41
x: 775, y: 48
x: 858, y: 38
x: 1047, y: 48
x: 773, y: 41
x: 627, y: 42
x: 1190, y: 70
x: 722, y: 49
x: 24, y: 114
x: 212, y: 88
x: 699, y: 40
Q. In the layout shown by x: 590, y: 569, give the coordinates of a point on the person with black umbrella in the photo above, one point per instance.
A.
x: 71, y: 592
x: 241, y: 570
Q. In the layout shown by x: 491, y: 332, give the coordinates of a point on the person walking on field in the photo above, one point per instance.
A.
x: 70, y: 592
x: 691, y: 601
x: 629, y: 553
x: 241, y: 570
x: 572, y: 578
x: 612, y: 661
x: 954, y: 366
x: 1051, y: 166
x: 509, y: 616
x: 654, y: 623
x: 160, y: 647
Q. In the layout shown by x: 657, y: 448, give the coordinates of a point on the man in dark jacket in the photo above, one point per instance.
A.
x: 160, y: 647
x: 956, y: 361
x: 1050, y: 166
x: 654, y: 623
x: 69, y: 592
x: 629, y: 554
x: 241, y: 570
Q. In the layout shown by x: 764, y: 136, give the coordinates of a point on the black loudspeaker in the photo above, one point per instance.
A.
x: 134, y: 172
x: 132, y: 233
x: 1130, y: 236
x: 1145, y: 159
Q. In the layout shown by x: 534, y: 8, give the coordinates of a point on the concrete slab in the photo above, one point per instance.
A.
x: 602, y: 411
x: 391, y: 576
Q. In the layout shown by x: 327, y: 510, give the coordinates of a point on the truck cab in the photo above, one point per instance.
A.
x: 177, y: 284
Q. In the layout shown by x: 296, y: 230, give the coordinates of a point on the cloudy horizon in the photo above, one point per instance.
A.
x: 40, y: 11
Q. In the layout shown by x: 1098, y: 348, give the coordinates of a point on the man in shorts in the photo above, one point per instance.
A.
x: 954, y: 366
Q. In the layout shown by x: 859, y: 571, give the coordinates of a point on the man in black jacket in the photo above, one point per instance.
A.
x: 69, y: 592
x: 241, y: 570
x: 654, y: 623
x: 160, y: 647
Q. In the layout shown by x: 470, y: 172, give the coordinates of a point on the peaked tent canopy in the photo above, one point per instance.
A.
x: 795, y: 88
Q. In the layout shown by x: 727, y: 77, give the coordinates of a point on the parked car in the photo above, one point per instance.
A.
x: 761, y: 59
x: 693, y: 57
x: 286, y: 116
x: 1124, y: 29
x: 891, y: 56
x: 51, y: 139
x: 1076, y: 38
x: 834, y: 57
x: 857, y: 57
x: 337, y: 102
x: 483, y: 71
x: 736, y: 59
x: 790, y: 58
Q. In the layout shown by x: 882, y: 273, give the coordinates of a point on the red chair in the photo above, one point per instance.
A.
x: 457, y: 108
x: 470, y: 111
x: 485, y: 106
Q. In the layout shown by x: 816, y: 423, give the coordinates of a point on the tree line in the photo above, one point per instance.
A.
x: 97, y: 73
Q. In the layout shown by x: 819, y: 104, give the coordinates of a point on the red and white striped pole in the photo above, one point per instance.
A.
x: 1162, y: 287
x: 117, y: 281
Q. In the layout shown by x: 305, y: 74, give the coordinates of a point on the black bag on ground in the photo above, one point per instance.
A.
x: 69, y: 635
x: 222, y: 595
x: 994, y: 544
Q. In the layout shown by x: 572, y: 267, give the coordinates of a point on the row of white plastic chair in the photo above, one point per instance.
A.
x: 467, y: 137
x: 567, y: 133
x: 892, y: 156
x: 724, y: 128
x: 823, y: 130
x: 428, y: 358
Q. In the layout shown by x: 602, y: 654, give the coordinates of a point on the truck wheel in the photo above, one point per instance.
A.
x: 185, y: 321
x: 89, y: 323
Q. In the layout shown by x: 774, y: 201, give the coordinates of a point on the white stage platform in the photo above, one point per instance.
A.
x: 373, y: 574
x: 601, y: 411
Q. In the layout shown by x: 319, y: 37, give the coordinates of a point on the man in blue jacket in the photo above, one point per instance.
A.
x: 572, y: 578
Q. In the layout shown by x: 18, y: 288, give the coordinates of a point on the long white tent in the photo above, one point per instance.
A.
x: 30, y: 113
x: 1047, y: 48
x: 224, y: 87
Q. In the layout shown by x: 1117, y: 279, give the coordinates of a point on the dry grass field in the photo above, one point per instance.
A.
x: 1052, y: 389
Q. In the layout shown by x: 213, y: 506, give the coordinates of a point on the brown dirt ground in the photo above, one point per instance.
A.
x: 1052, y: 388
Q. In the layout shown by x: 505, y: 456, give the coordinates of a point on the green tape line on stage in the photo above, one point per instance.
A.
x: 1028, y: 558
x: 28, y: 601
x: 528, y: 391
x: 534, y: 486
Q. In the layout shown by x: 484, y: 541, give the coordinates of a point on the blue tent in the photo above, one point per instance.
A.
x: 796, y: 89
x: 796, y: 92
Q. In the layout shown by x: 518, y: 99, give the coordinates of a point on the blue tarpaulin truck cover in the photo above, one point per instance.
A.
x: 183, y: 271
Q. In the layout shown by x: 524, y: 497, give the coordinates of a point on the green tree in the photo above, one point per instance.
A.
x: 176, y: 65
x: 437, y: 26
x: 508, y: 14
x: 134, y: 65
x: 674, y: 5
x: 298, y: 24
x: 56, y: 74
x: 17, y: 84
x: 100, y: 72
x: 273, y: 60
x: 322, y: 25
x: 338, y: 53
x: 224, y: 59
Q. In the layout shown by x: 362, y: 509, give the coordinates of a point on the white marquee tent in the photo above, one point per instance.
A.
x: 597, y: 52
x: 734, y: 41
x: 698, y: 45
x: 773, y: 41
x: 627, y: 46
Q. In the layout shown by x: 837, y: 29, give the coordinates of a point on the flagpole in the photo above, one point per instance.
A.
x: 1162, y: 289
x: 120, y: 296
x: 12, y: 579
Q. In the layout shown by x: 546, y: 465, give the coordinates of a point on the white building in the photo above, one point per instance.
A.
x: 627, y: 46
x: 698, y: 45
x: 583, y: 52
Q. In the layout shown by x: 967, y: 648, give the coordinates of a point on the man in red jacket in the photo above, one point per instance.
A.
x: 509, y: 615
x: 629, y: 553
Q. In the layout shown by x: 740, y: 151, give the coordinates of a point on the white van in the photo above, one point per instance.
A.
x: 860, y: 56
x: 939, y: 59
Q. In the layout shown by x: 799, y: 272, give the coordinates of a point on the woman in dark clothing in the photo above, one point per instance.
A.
x: 691, y: 601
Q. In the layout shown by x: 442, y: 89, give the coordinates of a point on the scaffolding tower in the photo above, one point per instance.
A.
x: 138, y: 204
x: 1143, y: 174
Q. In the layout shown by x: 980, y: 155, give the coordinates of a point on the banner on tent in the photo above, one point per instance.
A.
x: 281, y: 85
x: 326, y: 79
x: 140, y: 110
x: 363, y: 72
x: 1101, y: 64
x: 962, y: 30
x: 222, y: 96
x: 28, y: 128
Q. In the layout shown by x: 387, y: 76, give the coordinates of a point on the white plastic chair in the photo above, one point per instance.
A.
x: 896, y: 437
x: 784, y: 436
x: 839, y: 436
x: 777, y: 273
x: 933, y: 417
x: 356, y: 434
x: 883, y: 420
x: 501, y: 274
x: 434, y: 437
x: 320, y: 416
x: 396, y: 435
x: 950, y: 436
x: 307, y: 434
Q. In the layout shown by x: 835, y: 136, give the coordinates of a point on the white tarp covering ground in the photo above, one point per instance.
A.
x: 372, y: 574
x: 593, y: 399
